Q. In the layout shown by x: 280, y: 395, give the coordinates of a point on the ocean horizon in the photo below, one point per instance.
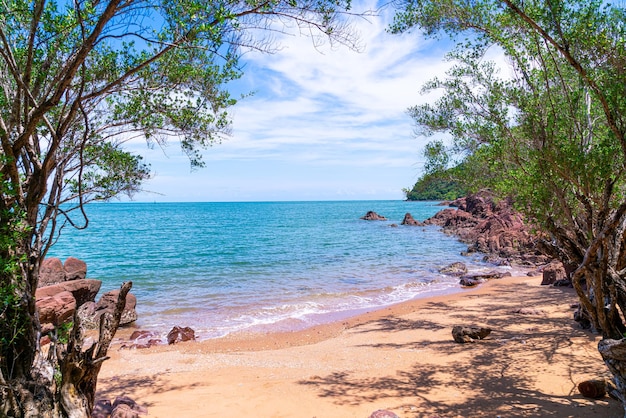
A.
x: 225, y: 267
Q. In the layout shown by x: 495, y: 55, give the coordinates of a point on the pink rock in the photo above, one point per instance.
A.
x: 409, y: 220
x: 83, y: 290
x: 51, y: 271
x: 102, y: 409
x: 75, y: 269
x: 129, y: 405
x: 552, y: 273
x: 178, y: 334
x: 373, y: 216
x: 108, y: 301
x: 56, y: 309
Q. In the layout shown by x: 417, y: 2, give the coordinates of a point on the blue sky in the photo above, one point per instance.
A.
x: 323, y: 124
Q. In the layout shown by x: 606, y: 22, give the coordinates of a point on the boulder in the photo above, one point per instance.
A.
x: 409, y: 220
x: 107, y: 303
x: 84, y: 290
x: 465, y: 334
x: 178, y: 334
x: 55, y: 310
x: 469, y: 282
x: 552, y: 273
x: 454, y: 269
x: 102, y: 409
x: 373, y: 216
x: 130, y: 404
x: 594, y: 389
x: 75, y: 269
x: 51, y: 271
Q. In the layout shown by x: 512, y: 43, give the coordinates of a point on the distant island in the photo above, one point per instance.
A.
x: 436, y: 186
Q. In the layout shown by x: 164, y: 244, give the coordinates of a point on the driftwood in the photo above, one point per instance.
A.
x: 465, y: 334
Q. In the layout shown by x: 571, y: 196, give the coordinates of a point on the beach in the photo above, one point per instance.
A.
x: 400, y: 358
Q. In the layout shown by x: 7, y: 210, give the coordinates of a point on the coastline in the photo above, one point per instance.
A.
x: 400, y: 358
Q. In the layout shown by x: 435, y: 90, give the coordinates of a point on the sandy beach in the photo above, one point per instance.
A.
x: 401, y: 359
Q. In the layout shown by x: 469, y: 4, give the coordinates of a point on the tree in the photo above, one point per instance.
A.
x: 552, y: 134
x: 77, y: 80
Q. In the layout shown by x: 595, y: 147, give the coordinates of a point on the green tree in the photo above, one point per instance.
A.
x: 552, y: 134
x: 77, y: 80
x: 446, y: 184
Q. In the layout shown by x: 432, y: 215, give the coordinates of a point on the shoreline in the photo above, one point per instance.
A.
x: 401, y: 358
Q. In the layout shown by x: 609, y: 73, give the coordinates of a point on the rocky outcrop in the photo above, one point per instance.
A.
x: 53, y: 271
x: 409, y: 220
x: 64, y: 290
x: 373, y: 216
x: 493, y: 228
x: 55, y: 310
x: 83, y: 290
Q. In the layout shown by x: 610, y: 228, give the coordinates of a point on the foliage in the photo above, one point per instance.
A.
x: 552, y: 134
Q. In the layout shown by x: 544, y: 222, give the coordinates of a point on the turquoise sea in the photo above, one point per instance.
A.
x: 225, y: 267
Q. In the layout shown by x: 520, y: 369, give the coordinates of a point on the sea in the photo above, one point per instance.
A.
x: 221, y: 268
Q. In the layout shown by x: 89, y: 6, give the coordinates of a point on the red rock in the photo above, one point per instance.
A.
x: 409, y: 220
x: 373, y: 216
x: 84, y: 290
x: 108, y: 301
x: 56, y: 309
x: 552, y: 273
x: 75, y: 269
x: 178, y: 334
x: 51, y: 272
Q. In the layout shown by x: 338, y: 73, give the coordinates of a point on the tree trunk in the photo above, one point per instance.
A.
x: 614, y: 355
x: 60, y: 380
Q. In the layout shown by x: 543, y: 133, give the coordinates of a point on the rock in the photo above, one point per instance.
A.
x: 178, y: 334
x: 102, y: 409
x: 409, y: 220
x: 594, y: 389
x: 495, y: 229
x: 55, y: 310
x: 382, y: 413
x: 107, y: 303
x: 454, y: 269
x: 142, y: 339
x: 84, y: 290
x: 487, y: 276
x: 124, y: 411
x: 51, y: 271
x: 552, y: 273
x: 465, y: 334
x: 469, y: 282
x: 75, y: 269
x: 130, y: 403
x: 373, y: 216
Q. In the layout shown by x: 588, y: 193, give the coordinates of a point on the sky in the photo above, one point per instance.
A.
x: 324, y: 123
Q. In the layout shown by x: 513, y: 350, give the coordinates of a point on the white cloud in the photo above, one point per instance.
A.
x: 322, y: 124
